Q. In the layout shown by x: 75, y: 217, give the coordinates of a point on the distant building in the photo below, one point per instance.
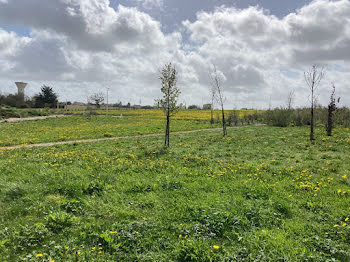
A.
x: 206, y: 106
x: 20, y: 88
x: 78, y: 104
x: 182, y: 106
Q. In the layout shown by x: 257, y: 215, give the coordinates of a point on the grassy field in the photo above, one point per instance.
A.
x: 260, y: 194
x: 132, y: 122
x: 84, y: 127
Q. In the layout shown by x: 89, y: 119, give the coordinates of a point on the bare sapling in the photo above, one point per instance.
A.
x: 213, y: 95
x: 216, y: 85
x: 290, y: 100
x: 313, y: 78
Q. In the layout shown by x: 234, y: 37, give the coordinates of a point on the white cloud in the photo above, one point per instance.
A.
x: 83, y: 45
x: 251, y: 46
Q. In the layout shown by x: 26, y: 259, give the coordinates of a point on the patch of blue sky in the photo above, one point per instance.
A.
x: 339, y: 67
x: 291, y: 73
x: 19, y: 30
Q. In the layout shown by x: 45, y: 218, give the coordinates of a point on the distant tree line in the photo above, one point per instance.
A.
x: 282, y: 117
x: 45, y: 98
x: 315, y: 114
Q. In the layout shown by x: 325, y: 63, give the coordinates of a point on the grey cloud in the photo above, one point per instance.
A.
x: 91, y: 24
x: 86, y: 45
x: 41, y: 58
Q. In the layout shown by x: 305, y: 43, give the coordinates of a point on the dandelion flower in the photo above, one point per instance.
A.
x: 346, y: 219
x: 39, y: 255
x: 216, y: 247
x: 336, y: 226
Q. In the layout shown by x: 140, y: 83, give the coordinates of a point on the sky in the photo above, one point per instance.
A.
x: 261, y: 49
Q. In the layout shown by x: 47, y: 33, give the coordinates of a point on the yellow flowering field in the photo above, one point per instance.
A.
x: 116, y: 123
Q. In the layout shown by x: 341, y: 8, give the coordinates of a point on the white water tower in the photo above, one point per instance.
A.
x: 20, y: 87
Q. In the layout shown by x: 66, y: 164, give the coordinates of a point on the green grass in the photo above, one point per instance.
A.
x: 86, y: 127
x: 261, y: 194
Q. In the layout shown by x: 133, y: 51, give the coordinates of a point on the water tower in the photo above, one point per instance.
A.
x: 20, y: 87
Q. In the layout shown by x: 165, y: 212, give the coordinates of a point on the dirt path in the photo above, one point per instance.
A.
x: 13, y: 120
x: 109, y: 139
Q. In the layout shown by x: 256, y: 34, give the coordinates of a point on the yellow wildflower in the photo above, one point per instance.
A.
x: 216, y: 247
x: 39, y: 255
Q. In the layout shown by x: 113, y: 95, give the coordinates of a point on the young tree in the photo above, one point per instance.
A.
x: 213, y: 95
x: 216, y: 85
x: 98, y: 99
x: 46, y: 97
x: 171, y: 93
x: 313, y: 78
x: 331, y: 109
x: 290, y: 99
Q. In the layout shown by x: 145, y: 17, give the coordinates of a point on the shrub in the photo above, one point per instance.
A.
x: 233, y: 118
x: 278, y: 117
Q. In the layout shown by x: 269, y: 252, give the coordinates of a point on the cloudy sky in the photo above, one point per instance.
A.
x: 260, y: 48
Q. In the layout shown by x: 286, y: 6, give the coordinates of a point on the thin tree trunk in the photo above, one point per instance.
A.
x: 167, y: 122
x: 167, y: 131
x: 212, y: 116
x: 330, y: 121
x: 223, y: 121
x: 312, y: 136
